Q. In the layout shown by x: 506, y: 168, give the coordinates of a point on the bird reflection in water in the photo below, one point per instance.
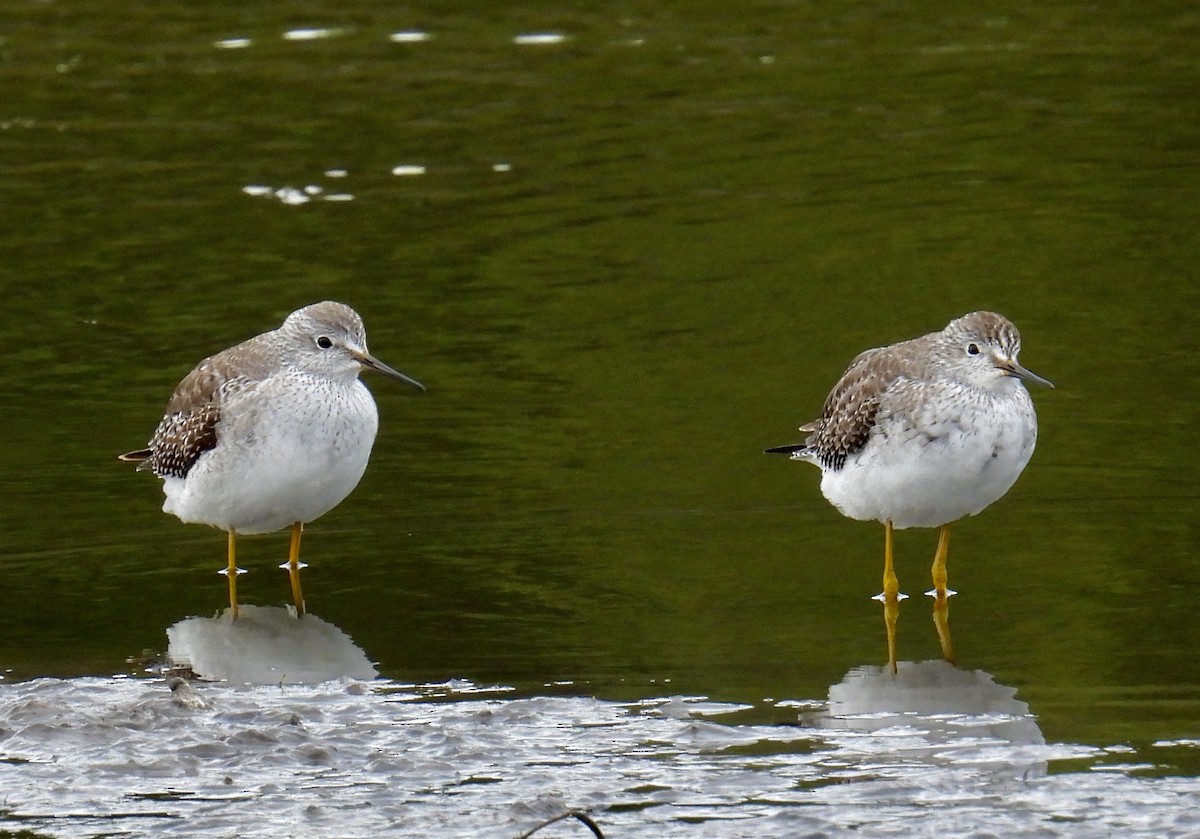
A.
x: 266, y: 645
x: 933, y: 716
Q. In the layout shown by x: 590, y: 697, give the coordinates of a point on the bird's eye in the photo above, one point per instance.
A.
x: 972, y: 349
x: 324, y: 342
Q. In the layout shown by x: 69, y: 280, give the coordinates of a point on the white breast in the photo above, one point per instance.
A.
x: 288, y: 450
x: 930, y: 466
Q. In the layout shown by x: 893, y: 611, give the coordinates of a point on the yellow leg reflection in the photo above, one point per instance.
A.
x: 294, y: 565
x: 941, y: 619
x: 231, y: 572
x: 891, y: 595
x: 941, y: 595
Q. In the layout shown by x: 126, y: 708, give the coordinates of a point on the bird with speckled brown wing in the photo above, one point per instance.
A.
x: 922, y: 433
x: 271, y: 433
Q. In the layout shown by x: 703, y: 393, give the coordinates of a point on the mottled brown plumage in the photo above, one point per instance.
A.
x: 897, y: 372
x: 850, y: 408
x: 190, y: 424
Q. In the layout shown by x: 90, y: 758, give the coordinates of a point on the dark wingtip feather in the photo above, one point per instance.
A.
x: 789, y: 449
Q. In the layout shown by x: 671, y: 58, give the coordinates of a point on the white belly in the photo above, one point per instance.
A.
x: 925, y: 471
x: 283, y: 455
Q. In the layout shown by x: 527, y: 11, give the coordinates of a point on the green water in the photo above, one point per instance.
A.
x: 634, y: 259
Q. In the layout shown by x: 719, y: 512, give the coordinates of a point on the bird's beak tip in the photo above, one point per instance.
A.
x: 371, y: 363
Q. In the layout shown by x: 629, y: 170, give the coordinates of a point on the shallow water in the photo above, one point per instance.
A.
x: 626, y: 251
x: 352, y: 759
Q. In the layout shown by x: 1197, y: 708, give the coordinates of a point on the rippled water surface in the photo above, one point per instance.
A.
x: 627, y: 248
x: 353, y: 759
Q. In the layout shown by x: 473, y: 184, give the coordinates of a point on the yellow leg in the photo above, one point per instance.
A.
x: 941, y: 595
x: 939, y: 561
x: 891, y: 585
x: 294, y: 565
x: 891, y: 595
x: 231, y: 572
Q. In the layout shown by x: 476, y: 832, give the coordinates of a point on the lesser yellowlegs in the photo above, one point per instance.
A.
x: 273, y: 432
x: 923, y: 433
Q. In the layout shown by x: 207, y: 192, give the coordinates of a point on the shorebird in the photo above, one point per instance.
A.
x: 271, y: 433
x: 923, y: 433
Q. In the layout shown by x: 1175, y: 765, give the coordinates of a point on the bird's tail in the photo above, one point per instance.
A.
x: 794, y: 449
x: 139, y: 457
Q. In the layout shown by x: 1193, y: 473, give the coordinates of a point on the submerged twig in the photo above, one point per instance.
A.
x: 569, y: 814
